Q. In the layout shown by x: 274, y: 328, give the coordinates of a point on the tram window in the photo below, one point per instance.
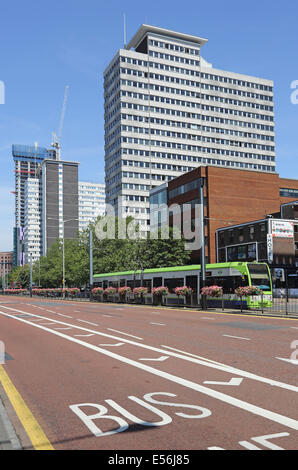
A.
x: 122, y: 282
x: 192, y: 281
x: 130, y: 284
x: 147, y: 283
x: 105, y: 284
x: 157, y: 281
x: 229, y: 284
x: 171, y: 284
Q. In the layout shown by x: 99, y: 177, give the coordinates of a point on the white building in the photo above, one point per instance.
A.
x: 91, y: 202
x: 32, y: 220
x: 168, y: 111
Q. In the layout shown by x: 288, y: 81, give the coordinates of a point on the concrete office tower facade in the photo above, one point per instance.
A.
x: 27, y: 161
x: 168, y: 111
x: 32, y: 228
x: 91, y: 202
x: 59, y: 206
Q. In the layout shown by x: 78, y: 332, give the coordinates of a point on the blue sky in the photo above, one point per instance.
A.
x: 46, y: 45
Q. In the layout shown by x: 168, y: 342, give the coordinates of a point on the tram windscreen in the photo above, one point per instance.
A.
x: 259, y: 276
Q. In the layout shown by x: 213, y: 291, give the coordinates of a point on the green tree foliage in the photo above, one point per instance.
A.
x: 20, y: 276
x: 109, y: 255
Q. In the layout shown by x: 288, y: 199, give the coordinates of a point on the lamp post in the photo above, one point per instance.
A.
x: 91, y: 262
x: 203, y: 256
x: 30, y: 275
x: 63, y: 251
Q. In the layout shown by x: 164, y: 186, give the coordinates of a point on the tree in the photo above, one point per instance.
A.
x: 20, y: 276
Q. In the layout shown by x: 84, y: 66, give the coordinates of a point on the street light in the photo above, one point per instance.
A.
x: 63, y: 254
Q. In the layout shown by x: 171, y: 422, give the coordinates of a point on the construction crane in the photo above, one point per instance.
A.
x: 57, y: 138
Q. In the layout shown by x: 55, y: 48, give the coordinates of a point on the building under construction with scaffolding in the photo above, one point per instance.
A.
x: 46, y: 201
x: 27, y: 161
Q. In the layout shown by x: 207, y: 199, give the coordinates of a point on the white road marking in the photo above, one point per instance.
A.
x: 236, y: 381
x: 237, y: 337
x: 62, y: 315
x: 160, y: 359
x: 159, y: 324
x: 104, y: 315
x: 62, y: 328
x: 295, y: 327
x: 291, y: 361
x: 208, y: 318
x: 126, y: 334
x: 51, y: 323
x: 230, y: 369
x: 263, y: 440
x: 116, y: 344
x: 85, y: 321
x: 186, y: 356
x: 91, y: 334
x: 248, y: 407
x: 51, y: 311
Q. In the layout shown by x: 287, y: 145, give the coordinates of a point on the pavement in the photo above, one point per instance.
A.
x: 8, y: 437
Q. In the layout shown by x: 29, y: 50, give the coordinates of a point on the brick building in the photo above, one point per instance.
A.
x: 231, y: 196
x: 6, y: 263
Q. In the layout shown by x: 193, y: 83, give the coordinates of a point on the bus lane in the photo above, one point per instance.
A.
x: 120, y: 396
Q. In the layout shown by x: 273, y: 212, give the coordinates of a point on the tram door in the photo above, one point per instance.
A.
x: 192, y: 281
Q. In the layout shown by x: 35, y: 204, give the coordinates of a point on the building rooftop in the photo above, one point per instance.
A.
x: 145, y: 29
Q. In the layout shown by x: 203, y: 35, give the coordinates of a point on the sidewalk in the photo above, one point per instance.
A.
x: 8, y: 437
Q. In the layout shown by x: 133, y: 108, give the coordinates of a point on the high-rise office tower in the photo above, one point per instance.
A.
x: 91, y: 202
x: 59, y: 202
x: 168, y: 111
x: 27, y: 160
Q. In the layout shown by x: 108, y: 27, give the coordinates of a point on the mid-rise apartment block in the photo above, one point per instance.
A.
x: 168, y: 111
x: 32, y: 227
x: 91, y: 202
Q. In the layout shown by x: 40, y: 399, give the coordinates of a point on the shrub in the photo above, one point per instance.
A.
x: 159, y: 291
x: 110, y: 291
x: 247, y: 290
x: 124, y: 290
x: 97, y: 291
x: 212, y: 291
x: 183, y: 290
x: 140, y: 291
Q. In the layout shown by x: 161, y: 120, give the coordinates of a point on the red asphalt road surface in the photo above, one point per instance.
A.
x: 139, y: 375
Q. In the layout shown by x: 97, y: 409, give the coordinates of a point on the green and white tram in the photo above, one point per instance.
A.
x: 229, y: 276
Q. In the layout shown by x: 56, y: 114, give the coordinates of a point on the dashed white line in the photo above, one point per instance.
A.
x: 91, y: 334
x: 89, y: 322
x: 160, y: 324
x: 237, y: 337
x: 62, y: 315
x: 126, y: 334
x: 64, y: 328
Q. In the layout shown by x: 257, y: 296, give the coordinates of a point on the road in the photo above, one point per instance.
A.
x: 114, y: 377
